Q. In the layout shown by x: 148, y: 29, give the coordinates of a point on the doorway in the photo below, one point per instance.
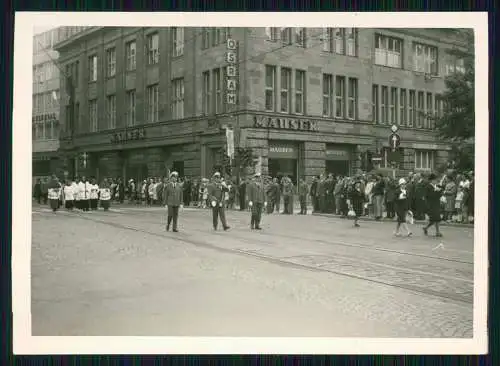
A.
x: 337, y: 167
x: 279, y: 168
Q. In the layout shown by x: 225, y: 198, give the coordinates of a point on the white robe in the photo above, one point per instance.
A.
x: 69, y: 193
x: 94, y: 191
x: 81, y: 191
x: 105, y: 194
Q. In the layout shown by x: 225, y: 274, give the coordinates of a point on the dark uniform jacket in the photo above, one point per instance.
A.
x: 273, y: 191
x: 303, y: 189
x: 256, y: 192
x: 173, y: 195
x: 216, y: 192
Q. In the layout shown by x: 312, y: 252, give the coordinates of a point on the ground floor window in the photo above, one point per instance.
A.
x: 424, y: 159
x: 337, y: 167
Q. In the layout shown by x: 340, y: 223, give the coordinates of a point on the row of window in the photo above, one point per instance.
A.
x: 213, y: 91
x: 423, y: 160
x: 44, y: 72
x: 212, y: 37
x: 45, y: 102
x: 288, y: 94
x: 411, y: 108
x: 46, y: 130
x: 152, y: 107
x: 388, y: 50
x: 48, y: 39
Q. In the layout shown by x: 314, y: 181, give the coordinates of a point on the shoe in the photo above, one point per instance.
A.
x: 426, y: 232
x: 439, y: 235
x: 227, y: 228
x: 175, y: 231
x: 356, y: 225
x: 409, y: 234
x: 397, y: 234
x: 167, y: 228
x: 258, y: 228
x: 215, y: 228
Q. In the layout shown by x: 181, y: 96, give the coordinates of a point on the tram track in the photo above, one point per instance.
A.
x: 289, y: 261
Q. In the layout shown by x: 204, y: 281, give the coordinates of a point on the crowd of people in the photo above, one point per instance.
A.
x: 419, y: 196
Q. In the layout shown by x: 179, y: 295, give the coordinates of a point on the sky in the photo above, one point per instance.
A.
x: 41, y: 28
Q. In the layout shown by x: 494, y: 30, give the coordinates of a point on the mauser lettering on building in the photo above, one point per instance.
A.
x: 286, y: 123
x: 131, y: 135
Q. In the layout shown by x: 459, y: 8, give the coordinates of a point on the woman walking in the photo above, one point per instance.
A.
x: 433, y: 198
x: 356, y: 201
x: 401, y: 205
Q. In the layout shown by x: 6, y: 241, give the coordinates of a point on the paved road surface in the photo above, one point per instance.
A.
x: 120, y: 273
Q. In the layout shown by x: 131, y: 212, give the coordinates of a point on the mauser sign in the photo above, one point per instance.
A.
x: 285, y: 123
x: 130, y: 135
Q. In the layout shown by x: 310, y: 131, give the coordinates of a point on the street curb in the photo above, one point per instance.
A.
x: 421, y: 222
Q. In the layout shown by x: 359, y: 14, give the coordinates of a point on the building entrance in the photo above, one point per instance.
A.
x: 338, y: 160
x: 283, y: 160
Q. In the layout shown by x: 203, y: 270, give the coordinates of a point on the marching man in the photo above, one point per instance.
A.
x: 172, y: 199
x: 69, y: 195
x: 94, y: 195
x: 216, y: 195
x: 256, y: 201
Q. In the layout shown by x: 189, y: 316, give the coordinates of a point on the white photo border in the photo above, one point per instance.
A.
x: 25, y: 343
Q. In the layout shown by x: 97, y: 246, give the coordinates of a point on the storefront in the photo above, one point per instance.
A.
x: 283, y: 160
x: 338, y: 159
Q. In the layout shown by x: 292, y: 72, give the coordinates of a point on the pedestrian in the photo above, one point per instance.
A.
x: 288, y: 190
x: 303, y: 190
x: 45, y: 190
x: 85, y: 187
x: 377, y: 194
x: 105, y: 194
x: 54, y: 193
x: 242, y: 190
x: 94, y: 194
x: 433, y: 197
x: 37, y: 191
x: 401, y: 205
x: 69, y: 195
x: 173, y: 198
x: 390, y: 198
x: 216, y: 192
x: 256, y: 201
x: 357, y: 199
x: 312, y: 193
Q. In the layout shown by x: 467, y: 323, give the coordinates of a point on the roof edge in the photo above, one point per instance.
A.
x: 78, y: 36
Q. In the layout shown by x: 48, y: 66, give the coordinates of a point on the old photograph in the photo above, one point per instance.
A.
x: 253, y: 181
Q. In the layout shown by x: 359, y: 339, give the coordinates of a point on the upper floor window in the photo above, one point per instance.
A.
x: 388, y: 51
x: 425, y: 59
x: 93, y: 68
x: 130, y: 54
x: 153, y: 48
x: 300, y: 37
x: 110, y: 62
x: 177, y: 41
x: 272, y: 33
x: 270, y: 89
x: 286, y: 36
x: 343, y: 41
x: 454, y: 64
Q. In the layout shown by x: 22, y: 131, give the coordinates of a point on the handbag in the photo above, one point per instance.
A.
x: 351, y: 213
x: 409, y: 218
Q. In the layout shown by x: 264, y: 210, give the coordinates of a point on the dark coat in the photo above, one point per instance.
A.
x: 256, y: 192
x: 433, y: 197
x: 303, y: 189
x: 401, y: 204
x: 357, y: 200
x: 216, y: 192
x: 314, y: 188
x: 173, y: 196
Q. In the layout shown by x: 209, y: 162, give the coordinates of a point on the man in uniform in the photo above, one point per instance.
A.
x: 173, y: 199
x: 216, y: 195
x: 303, y: 190
x: 256, y: 200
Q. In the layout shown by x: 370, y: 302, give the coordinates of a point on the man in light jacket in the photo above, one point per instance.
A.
x: 256, y: 201
x: 173, y: 199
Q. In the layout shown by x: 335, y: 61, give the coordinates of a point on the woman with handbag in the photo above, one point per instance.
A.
x: 356, y: 201
x: 401, y: 206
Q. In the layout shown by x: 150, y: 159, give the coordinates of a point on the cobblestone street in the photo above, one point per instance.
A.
x: 121, y: 273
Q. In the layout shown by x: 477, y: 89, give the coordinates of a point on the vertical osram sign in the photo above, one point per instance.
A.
x: 232, y: 81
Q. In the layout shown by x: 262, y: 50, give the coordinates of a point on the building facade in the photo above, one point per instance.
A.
x: 45, y: 113
x: 306, y: 101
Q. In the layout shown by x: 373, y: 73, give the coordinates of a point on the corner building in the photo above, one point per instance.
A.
x: 306, y: 100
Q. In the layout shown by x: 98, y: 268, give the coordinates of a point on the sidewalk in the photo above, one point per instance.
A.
x: 418, y: 222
